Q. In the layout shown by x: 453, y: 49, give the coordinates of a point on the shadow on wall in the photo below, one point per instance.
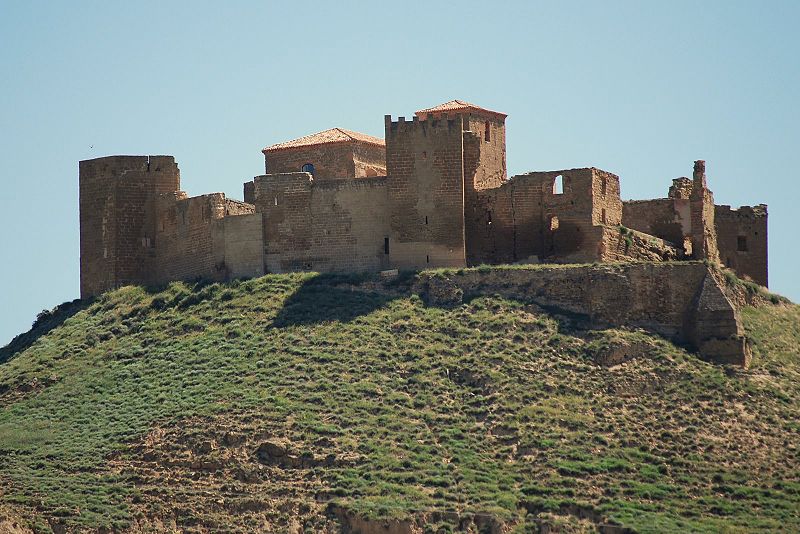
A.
x: 330, y: 297
x: 46, y: 321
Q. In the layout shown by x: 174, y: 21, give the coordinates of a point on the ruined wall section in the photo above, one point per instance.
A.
x: 117, y: 206
x: 681, y: 301
x: 208, y: 236
x: 742, y: 240
x: 701, y: 203
x: 658, y: 217
x: 527, y: 219
x: 332, y: 161
x: 504, y: 224
x: 425, y: 166
x: 568, y: 214
x: 328, y: 226
x: 185, y: 238
x: 606, y: 200
x: 620, y: 244
x: 488, y: 136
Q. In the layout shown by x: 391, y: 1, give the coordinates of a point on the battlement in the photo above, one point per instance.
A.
x: 435, y: 126
x: 742, y: 212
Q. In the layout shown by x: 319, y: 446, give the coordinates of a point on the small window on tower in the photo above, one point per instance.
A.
x: 487, y: 132
x: 309, y: 168
x: 385, y: 245
x: 741, y: 243
x: 558, y: 185
x: 603, y: 215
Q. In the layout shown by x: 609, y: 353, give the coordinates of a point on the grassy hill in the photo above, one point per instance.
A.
x: 306, y: 403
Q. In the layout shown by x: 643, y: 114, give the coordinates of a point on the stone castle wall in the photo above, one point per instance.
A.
x: 742, y: 240
x: 681, y: 301
x: 437, y: 195
x: 329, y: 226
x: 137, y: 227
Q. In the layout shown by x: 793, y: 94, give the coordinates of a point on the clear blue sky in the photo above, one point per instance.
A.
x: 638, y: 88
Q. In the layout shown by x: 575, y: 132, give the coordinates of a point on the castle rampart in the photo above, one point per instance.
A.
x: 433, y: 193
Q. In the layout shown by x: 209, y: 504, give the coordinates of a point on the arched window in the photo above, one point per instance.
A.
x: 487, y: 132
x: 309, y: 168
x: 558, y: 185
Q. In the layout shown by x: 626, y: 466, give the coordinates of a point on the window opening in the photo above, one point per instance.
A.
x: 309, y: 168
x: 603, y: 215
x: 427, y: 259
x: 558, y: 185
x: 385, y: 245
x: 741, y: 243
x: 487, y: 132
x: 276, y: 201
x: 553, y: 223
x: 603, y: 185
x: 426, y: 219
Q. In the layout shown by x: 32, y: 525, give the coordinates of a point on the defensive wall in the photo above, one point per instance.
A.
x: 433, y: 193
x: 682, y: 301
x: 138, y: 228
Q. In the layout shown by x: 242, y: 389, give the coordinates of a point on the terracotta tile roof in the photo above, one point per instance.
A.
x: 458, y: 106
x: 334, y: 135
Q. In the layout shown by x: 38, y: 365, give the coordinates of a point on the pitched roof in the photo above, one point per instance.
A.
x: 334, y: 135
x: 458, y: 106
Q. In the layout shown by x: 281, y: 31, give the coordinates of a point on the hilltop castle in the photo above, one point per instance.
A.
x: 433, y: 193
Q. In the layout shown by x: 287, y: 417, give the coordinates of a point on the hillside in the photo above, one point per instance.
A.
x: 307, y: 403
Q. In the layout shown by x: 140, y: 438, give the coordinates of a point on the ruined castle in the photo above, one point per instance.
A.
x: 433, y: 193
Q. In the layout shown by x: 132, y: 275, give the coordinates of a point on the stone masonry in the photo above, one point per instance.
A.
x: 433, y: 193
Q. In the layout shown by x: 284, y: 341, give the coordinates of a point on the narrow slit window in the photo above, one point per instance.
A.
x: 487, y: 132
x: 426, y: 219
x: 386, y: 245
x: 603, y: 185
x: 427, y: 259
x: 603, y: 215
x: 276, y: 201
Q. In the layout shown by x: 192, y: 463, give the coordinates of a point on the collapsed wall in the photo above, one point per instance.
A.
x: 680, y: 301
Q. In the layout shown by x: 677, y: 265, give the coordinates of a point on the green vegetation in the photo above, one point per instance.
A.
x: 400, y: 410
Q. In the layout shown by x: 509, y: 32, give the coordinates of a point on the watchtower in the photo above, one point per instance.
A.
x: 434, y: 163
x: 117, y: 218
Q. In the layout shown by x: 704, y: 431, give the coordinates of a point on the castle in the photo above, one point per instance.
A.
x: 433, y: 193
